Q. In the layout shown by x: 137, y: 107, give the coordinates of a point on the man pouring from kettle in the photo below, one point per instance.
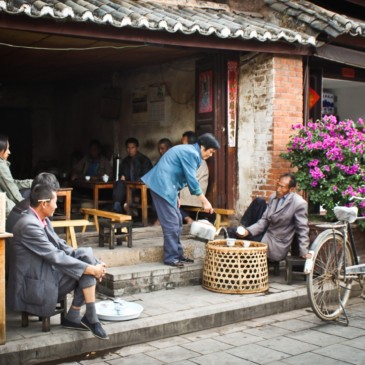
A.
x: 176, y: 169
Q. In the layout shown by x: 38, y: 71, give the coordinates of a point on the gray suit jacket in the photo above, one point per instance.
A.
x: 38, y: 259
x: 281, y: 225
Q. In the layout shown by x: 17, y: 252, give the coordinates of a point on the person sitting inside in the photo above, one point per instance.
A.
x: 94, y: 164
x: 163, y: 145
x: 286, y: 215
x: 44, y: 269
x: 132, y: 168
x: 186, y: 199
x: 15, y: 190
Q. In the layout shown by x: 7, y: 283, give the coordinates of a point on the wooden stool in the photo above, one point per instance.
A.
x: 109, y: 230
x: 294, y: 265
x: 46, y: 321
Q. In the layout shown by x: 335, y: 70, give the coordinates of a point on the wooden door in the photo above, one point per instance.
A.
x: 211, y: 116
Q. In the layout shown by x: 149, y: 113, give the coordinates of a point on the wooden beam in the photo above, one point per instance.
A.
x: 150, y: 37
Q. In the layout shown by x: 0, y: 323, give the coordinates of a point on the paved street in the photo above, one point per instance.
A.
x: 295, y: 337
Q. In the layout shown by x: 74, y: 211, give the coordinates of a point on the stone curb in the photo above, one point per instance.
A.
x: 73, y: 343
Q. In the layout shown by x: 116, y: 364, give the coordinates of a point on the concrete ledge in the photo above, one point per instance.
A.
x: 72, y: 343
x: 148, y: 277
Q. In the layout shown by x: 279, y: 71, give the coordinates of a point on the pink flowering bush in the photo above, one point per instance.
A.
x: 329, y: 156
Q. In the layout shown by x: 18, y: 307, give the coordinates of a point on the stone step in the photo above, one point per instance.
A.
x: 147, y: 247
x: 149, y: 277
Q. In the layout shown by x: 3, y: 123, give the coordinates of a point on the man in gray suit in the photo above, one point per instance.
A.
x: 44, y: 269
x: 285, y: 216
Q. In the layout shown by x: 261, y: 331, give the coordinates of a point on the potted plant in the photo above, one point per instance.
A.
x: 329, y: 157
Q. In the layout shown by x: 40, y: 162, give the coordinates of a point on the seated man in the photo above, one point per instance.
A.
x: 44, y: 269
x: 285, y: 216
x: 94, y: 164
x: 132, y: 168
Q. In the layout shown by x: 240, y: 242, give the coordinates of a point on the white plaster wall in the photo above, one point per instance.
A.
x: 256, y: 91
x: 179, y: 78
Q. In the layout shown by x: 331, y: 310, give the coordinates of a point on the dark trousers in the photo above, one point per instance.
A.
x: 253, y: 213
x: 171, y: 224
x: 68, y: 284
x: 119, y: 195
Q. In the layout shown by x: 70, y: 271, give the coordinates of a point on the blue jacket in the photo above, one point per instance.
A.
x: 176, y: 168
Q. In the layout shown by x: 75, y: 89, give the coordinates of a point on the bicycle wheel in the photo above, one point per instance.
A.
x: 327, y: 290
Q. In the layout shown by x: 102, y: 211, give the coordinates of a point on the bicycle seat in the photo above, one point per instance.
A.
x: 347, y: 214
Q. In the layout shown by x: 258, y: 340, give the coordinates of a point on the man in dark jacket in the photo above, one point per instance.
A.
x: 44, y: 269
x: 132, y: 168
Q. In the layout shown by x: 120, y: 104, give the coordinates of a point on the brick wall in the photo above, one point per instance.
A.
x: 270, y: 101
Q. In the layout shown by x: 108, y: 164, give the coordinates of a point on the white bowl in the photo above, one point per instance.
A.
x: 87, y: 178
x: 105, y: 178
x: 246, y: 244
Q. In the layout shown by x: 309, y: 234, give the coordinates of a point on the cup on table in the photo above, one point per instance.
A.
x: 231, y: 242
x: 246, y: 244
x: 87, y: 178
x: 105, y: 178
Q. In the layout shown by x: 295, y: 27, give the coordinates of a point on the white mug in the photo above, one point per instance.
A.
x: 231, y: 242
x: 87, y: 178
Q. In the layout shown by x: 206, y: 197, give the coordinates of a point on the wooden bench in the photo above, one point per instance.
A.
x: 70, y: 229
x: 96, y: 213
x: 221, y: 218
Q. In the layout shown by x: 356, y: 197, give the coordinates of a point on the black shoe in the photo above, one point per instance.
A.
x: 72, y: 325
x: 187, y: 260
x: 96, y: 328
x: 178, y: 264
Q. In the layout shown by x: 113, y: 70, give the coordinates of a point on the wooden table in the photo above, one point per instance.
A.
x: 66, y: 192
x: 129, y: 186
x: 95, y: 186
x: 2, y: 287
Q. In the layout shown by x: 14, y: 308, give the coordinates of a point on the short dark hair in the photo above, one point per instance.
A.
x: 46, y: 178
x: 132, y: 140
x: 4, y: 140
x: 165, y: 141
x: 191, y: 136
x: 40, y: 192
x: 207, y: 140
x: 293, y: 180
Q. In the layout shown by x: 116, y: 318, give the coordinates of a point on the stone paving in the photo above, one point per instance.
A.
x: 297, y: 337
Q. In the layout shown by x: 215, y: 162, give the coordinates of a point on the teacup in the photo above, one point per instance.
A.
x: 105, y: 178
x: 231, y: 242
x: 246, y: 244
x: 87, y: 178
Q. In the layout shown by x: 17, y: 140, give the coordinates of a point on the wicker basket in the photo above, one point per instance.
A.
x: 235, y: 270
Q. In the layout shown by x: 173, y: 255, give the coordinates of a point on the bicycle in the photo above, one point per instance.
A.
x: 334, y: 266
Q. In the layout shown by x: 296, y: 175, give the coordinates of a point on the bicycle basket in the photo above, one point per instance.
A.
x: 347, y: 214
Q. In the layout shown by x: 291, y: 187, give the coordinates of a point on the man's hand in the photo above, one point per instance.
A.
x: 98, y: 271
x: 207, y: 207
x: 307, y: 256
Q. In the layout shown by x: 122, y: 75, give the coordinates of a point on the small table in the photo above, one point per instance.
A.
x: 95, y: 186
x: 2, y: 287
x: 129, y: 186
x: 66, y: 192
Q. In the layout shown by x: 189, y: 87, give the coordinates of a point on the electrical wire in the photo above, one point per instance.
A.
x: 70, y: 48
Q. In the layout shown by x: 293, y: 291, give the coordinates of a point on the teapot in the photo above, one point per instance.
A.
x: 202, y: 228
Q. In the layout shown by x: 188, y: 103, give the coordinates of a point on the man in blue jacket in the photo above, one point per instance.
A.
x: 176, y: 169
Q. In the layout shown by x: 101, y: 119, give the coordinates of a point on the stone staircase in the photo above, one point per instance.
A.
x: 140, y: 269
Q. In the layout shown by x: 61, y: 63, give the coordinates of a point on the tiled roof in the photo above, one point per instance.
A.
x: 163, y: 17
x: 318, y: 18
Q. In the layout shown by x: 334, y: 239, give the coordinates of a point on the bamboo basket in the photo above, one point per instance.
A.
x: 236, y: 270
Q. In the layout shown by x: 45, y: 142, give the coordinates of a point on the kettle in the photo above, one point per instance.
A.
x: 202, y: 228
